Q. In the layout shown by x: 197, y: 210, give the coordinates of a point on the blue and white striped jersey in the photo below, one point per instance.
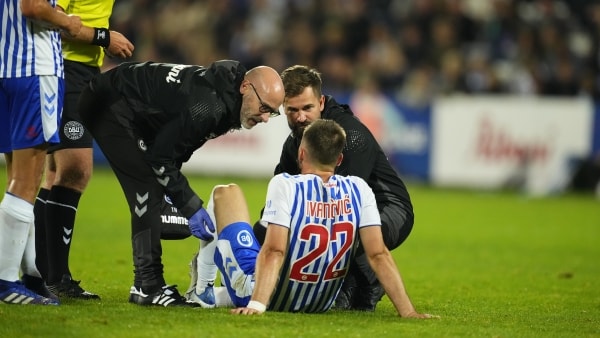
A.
x: 323, y: 219
x: 26, y: 47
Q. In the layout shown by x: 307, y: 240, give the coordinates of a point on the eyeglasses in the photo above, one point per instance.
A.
x: 264, y: 108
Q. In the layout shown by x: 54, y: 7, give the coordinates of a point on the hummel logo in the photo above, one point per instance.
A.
x: 49, y: 107
x: 170, y: 219
x: 141, y: 199
x: 174, y: 73
x: 163, y: 181
x: 67, y: 238
x: 101, y: 35
x: 141, y: 211
x: 49, y: 98
x: 230, y: 266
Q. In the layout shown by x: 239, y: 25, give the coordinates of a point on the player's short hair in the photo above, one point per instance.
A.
x: 324, y: 140
x: 298, y: 77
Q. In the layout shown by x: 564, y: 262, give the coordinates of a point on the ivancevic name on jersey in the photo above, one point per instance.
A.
x: 323, y: 219
x: 26, y: 46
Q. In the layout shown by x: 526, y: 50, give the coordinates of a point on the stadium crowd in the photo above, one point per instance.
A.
x: 411, y: 49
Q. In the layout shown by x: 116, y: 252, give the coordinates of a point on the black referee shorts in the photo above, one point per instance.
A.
x: 72, y: 132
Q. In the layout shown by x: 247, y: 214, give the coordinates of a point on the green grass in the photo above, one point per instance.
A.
x: 490, y: 264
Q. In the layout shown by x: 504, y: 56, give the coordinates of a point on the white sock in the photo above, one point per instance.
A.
x: 16, y: 216
x: 222, y: 298
x: 28, y: 266
x: 207, y: 269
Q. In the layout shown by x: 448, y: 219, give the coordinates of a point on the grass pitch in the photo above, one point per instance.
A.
x: 490, y: 264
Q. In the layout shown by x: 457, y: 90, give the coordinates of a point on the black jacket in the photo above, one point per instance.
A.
x: 363, y: 157
x: 176, y: 109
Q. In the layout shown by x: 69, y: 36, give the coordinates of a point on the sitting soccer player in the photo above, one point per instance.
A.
x: 313, y: 224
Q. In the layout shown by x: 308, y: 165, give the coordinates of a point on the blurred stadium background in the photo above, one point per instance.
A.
x: 468, y: 93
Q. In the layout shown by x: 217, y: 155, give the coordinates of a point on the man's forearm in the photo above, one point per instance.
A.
x: 389, y: 276
x: 268, y: 264
x: 40, y: 10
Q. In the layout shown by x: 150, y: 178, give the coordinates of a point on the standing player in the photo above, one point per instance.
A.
x: 314, y: 221
x: 69, y: 163
x: 148, y: 119
x: 31, y: 91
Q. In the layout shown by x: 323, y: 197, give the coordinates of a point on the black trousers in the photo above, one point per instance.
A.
x: 396, y: 225
x: 109, y: 119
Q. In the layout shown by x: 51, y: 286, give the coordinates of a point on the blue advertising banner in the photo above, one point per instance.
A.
x: 412, y: 159
x: 596, y: 130
x: 404, y: 132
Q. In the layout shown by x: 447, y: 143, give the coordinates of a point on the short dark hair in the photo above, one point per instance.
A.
x: 324, y: 139
x: 297, y: 78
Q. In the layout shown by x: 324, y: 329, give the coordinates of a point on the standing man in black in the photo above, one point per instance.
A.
x: 363, y: 157
x: 148, y: 119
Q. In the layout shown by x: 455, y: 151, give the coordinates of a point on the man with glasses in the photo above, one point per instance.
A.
x: 264, y: 108
x: 148, y: 118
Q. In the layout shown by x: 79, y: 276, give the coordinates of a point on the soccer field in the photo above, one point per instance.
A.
x: 489, y: 264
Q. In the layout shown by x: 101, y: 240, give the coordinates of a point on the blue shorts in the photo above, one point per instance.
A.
x: 30, y: 111
x: 235, y: 257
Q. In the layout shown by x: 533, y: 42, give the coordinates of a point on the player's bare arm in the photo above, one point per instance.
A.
x: 43, y: 12
x: 385, y: 268
x: 268, y: 264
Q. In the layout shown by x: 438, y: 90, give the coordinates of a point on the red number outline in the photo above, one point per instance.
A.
x: 323, y: 237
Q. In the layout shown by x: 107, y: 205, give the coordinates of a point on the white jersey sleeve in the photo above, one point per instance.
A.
x: 278, y: 202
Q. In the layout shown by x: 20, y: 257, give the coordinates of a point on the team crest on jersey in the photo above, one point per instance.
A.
x: 244, y: 238
x: 142, y: 145
x: 73, y: 130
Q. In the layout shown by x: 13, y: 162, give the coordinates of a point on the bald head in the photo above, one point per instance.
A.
x: 268, y: 85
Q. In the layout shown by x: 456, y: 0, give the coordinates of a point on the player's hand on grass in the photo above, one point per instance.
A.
x: 201, y: 225
x: 253, y: 308
x: 416, y: 314
x: 245, y: 311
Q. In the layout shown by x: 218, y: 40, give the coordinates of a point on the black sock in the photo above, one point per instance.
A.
x: 41, y: 252
x: 61, y: 208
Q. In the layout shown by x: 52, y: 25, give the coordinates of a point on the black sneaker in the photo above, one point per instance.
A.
x: 343, y: 301
x: 165, y: 296
x: 37, y: 285
x: 367, y: 297
x: 345, y: 298
x: 70, y: 288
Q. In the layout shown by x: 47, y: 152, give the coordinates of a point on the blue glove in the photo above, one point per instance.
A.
x: 201, y: 225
